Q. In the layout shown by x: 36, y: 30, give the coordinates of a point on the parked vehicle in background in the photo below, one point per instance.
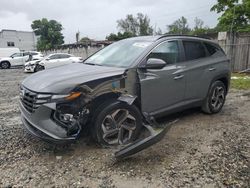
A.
x: 119, y: 91
x: 51, y: 61
x: 6, y: 52
x: 36, y: 55
x: 19, y: 59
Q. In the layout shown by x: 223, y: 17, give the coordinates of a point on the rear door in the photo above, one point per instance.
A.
x: 199, y: 69
x: 163, y: 88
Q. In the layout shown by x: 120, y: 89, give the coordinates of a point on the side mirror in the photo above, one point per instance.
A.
x: 153, y: 63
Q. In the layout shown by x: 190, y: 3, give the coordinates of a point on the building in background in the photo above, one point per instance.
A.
x: 24, y: 40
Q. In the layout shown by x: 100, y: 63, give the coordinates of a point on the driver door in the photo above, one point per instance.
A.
x: 163, y: 88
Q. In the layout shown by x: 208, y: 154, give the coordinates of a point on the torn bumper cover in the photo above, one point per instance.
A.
x: 41, y: 124
x: 50, y: 120
x: 156, y: 133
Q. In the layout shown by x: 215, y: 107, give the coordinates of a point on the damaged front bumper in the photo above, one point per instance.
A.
x: 41, y: 124
x: 47, y: 119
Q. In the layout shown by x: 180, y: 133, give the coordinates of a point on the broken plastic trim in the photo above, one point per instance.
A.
x: 156, y: 134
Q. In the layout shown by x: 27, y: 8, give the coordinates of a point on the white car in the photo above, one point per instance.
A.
x: 51, y: 61
x: 19, y: 59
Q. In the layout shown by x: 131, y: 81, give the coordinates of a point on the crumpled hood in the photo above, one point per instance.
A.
x: 65, y: 78
x: 32, y: 62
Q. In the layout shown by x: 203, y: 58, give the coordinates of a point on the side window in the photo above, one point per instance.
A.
x: 167, y: 51
x: 194, y: 50
x: 54, y: 56
x: 26, y: 53
x: 211, y: 49
x: 64, y: 56
x: 17, y: 55
x: 34, y: 53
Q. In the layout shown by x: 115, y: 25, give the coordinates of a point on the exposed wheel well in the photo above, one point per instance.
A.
x: 224, y: 80
x: 109, y: 96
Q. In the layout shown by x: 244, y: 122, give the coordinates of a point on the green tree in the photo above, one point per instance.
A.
x: 179, y: 26
x: 85, y: 39
x: 119, y: 36
x: 199, y: 28
x: 137, y: 26
x: 235, y: 15
x: 49, y: 32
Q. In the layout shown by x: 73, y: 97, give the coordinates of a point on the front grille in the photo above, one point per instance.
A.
x: 31, y: 100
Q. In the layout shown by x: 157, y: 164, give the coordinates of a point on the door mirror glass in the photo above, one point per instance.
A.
x: 153, y: 63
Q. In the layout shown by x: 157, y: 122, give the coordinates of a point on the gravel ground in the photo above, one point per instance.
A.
x: 198, y: 151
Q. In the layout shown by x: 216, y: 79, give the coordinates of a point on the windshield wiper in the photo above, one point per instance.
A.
x: 93, y: 64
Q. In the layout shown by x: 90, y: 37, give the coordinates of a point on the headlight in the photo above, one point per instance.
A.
x: 68, y: 97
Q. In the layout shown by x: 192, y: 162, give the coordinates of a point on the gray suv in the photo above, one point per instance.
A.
x: 117, y: 93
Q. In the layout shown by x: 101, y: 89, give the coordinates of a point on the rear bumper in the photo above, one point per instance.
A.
x: 40, y: 124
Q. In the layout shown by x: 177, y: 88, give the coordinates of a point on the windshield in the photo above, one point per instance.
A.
x: 119, y: 54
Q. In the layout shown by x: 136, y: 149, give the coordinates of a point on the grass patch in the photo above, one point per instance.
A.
x: 240, y: 81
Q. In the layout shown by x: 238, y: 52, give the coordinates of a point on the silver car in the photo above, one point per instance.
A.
x: 119, y: 91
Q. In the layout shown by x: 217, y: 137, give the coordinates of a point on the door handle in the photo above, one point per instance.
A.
x: 178, y: 77
x: 212, y: 69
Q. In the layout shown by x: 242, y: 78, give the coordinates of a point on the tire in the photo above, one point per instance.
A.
x: 5, y: 65
x: 39, y: 68
x: 109, y: 126
x: 215, y: 98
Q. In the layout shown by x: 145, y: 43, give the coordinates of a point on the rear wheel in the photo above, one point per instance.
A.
x: 215, y: 99
x: 5, y: 65
x: 116, y: 123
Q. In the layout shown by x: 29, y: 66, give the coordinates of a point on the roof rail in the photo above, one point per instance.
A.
x: 181, y: 35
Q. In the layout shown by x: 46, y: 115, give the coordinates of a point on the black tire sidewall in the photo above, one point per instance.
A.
x: 213, y: 86
x: 3, y: 63
x: 39, y: 68
x: 105, y: 109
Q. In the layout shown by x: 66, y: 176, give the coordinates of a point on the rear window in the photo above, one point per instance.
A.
x: 211, y: 48
x: 64, y: 56
x: 194, y: 50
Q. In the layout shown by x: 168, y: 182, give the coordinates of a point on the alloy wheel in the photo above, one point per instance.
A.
x: 5, y: 65
x: 118, y: 127
x: 218, y: 97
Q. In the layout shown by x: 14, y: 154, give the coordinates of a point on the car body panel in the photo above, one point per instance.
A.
x: 152, y: 83
x: 156, y: 92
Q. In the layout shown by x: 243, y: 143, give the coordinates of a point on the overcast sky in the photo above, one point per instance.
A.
x: 97, y: 18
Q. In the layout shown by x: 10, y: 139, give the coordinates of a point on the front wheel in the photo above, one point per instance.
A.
x: 39, y: 68
x: 116, y: 123
x: 215, y: 98
x: 5, y: 65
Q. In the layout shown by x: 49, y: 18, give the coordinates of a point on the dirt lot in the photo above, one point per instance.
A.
x: 198, y: 151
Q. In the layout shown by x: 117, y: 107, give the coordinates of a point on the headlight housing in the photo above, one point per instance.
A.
x: 68, y: 97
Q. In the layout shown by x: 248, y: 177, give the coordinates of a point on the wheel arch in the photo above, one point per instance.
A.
x: 224, y: 78
x: 113, y: 96
x: 5, y: 61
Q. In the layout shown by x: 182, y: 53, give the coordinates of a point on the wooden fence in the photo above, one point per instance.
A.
x: 237, y: 48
